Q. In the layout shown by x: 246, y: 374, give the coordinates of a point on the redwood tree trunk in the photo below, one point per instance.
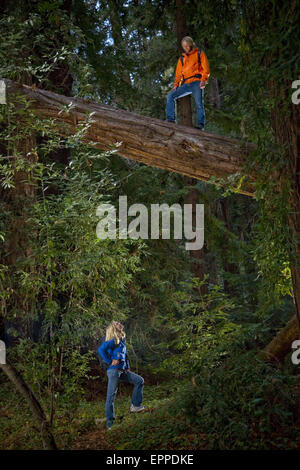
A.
x: 285, y: 121
x: 287, y: 133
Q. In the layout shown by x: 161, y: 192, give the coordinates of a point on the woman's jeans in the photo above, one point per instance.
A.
x: 114, y: 375
x: 183, y: 90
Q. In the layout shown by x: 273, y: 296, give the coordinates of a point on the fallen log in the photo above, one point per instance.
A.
x: 173, y: 147
x: 281, y: 344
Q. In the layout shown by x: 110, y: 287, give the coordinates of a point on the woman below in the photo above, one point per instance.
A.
x: 113, y: 352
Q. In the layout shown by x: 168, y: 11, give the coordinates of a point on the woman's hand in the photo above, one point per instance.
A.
x: 115, y: 362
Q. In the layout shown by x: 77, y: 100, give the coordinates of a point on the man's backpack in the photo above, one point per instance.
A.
x: 198, y: 75
x: 199, y: 58
x: 102, y: 363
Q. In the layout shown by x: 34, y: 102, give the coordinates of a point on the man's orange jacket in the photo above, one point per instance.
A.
x: 190, y: 67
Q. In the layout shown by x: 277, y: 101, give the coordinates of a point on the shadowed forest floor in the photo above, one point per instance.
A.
x: 162, y: 426
x: 155, y: 428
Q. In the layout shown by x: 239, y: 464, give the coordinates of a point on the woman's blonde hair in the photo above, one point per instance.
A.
x: 115, y: 331
x: 188, y: 40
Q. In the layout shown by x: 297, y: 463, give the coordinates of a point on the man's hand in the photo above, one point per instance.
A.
x: 115, y: 362
x: 127, y: 370
x: 202, y: 84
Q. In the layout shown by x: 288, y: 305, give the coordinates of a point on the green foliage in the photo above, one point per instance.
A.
x: 72, y: 279
x: 203, y: 331
x: 27, y: 50
x: 243, y: 404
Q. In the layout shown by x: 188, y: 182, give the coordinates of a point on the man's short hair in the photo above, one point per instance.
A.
x: 189, y: 40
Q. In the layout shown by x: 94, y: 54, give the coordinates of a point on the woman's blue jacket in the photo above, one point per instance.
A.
x: 107, y: 353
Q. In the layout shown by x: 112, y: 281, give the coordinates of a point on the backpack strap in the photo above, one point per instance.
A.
x: 199, y: 58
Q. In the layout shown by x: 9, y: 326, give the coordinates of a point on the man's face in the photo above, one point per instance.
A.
x: 186, y: 47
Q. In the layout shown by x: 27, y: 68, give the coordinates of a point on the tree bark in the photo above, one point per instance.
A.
x: 173, y: 147
x: 35, y: 407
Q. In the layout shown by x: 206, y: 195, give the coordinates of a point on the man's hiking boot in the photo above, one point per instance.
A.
x: 136, y: 409
x: 173, y: 122
x: 199, y: 127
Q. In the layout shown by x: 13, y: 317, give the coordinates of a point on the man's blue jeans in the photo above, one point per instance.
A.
x: 114, y: 375
x: 187, y: 89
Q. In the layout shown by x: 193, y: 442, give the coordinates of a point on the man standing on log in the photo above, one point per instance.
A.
x: 191, y: 77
